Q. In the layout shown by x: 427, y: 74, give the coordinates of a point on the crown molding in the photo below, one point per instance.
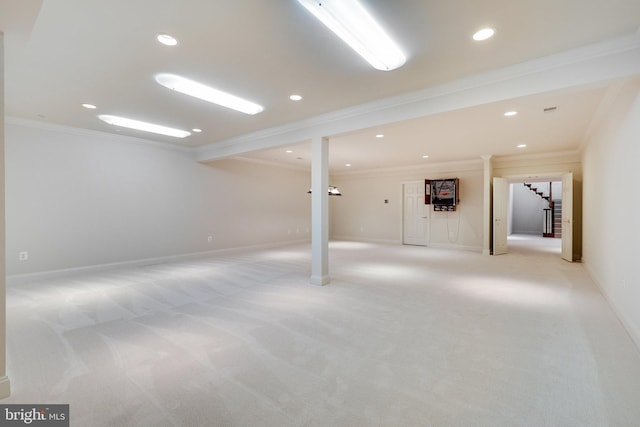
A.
x: 277, y: 164
x: 598, y: 62
x: 453, y: 166
x: 571, y: 155
x: 96, y: 134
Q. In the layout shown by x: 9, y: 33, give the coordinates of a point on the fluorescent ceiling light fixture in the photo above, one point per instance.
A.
x: 207, y: 93
x: 510, y: 113
x: 350, y: 21
x: 295, y: 97
x: 167, y: 39
x: 289, y: 151
x: 196, y: 130
x: 522, y: 145
x: 380, y: 135
x: 348, y: 165
x: 143, y: 126
x: 485, y: 33
x: 89, y: 106
x: 425, y: 157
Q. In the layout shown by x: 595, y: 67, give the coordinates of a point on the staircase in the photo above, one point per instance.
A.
x: 552, y: 220
x: 541, y: 194
x: 557, y: 218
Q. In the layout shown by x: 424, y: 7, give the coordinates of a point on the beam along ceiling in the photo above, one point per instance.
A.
x: 59, y: 55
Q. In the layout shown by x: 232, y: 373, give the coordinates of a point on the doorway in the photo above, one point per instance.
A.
x: 415, y: 215
x: 546, y: 205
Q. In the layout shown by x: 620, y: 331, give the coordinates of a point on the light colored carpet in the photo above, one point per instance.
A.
x: 403, y: 336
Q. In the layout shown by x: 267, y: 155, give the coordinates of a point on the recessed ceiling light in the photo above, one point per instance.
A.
x: 196, y: 130
x: 350, y: 21
x: 348, y: 165
x: 522, y: 145
x: 289, y: 151
x: 143, y: 126
x: 89, y: 106
x: 510, y: 113
x: 295, y: 97
x: 425, y: 157
x: 380, y: 135
x: 485, y: 33
x: 206, y: 93
x: 167, y: 39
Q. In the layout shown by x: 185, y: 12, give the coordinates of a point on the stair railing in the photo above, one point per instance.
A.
x: 547, y: 219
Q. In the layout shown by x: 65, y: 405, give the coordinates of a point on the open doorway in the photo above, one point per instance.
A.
x: 535, y: 208
x: 535, y: 217
x: 535, y: 214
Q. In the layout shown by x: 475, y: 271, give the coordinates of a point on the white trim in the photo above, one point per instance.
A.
x: 273, y: 163
x: 18, y: 279
x: 628, y: 325
x: 97, y: 134
x: 457, y: 166
x: 574, y: 155
x: 573, y: 68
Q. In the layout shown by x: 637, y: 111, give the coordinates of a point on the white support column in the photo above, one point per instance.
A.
x: 319, y: 211
x: 5, y: 388
x: 486, y: 220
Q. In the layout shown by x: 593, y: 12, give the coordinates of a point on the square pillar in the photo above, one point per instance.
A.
x: 319, y: 211
x: 5, y: 389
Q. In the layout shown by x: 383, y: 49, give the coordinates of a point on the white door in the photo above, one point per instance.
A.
x: 500, y: 215
x: 415, y: 215
x: 567, y: 217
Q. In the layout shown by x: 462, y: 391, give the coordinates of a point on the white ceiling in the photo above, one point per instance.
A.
x: 60, y: 54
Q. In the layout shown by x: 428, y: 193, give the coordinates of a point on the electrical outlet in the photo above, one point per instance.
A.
x: 23, y: 256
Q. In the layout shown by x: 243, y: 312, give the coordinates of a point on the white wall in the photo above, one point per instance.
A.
x: 361, y: 213
x: 612, y: 203
x: 77, y: 199
x: 528, y: 210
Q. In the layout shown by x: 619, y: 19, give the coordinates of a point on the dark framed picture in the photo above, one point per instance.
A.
x: 444, y: 194
x: 427, y: 191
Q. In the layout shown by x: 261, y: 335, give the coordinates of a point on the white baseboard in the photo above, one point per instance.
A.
x: 18, y: 279
x: 631, y: 329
